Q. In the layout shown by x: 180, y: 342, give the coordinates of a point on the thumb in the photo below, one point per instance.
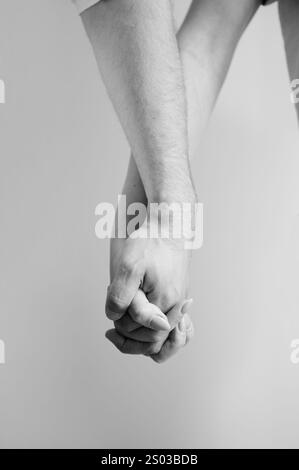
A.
x: 124, y: 286
x: 147, y: 314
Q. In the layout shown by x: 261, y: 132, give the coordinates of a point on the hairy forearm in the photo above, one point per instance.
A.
x: 136, y: 50
x: 207, y: 40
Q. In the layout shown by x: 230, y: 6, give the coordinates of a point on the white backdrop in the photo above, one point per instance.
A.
x: 62, y: 152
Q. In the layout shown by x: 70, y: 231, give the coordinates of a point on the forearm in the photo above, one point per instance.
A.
x: 207, y: 41
x: 136, y: 49
x: 206, y: 53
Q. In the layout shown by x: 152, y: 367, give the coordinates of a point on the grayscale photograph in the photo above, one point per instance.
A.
x: 149, y: 215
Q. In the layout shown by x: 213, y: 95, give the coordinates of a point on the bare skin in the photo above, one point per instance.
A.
x: 136, y: 49
x: 206, y: 56
x: 206, y: 43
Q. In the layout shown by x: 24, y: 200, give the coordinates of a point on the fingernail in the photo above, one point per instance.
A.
x: 159, y: 323
x: 182, y: 326
x: 186, y: 306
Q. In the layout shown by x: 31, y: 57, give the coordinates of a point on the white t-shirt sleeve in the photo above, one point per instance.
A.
x: 82, y: 5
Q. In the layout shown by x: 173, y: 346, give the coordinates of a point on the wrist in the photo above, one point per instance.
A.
x: 174, y: 185
x: 179, y: 221
x: 185, y: 195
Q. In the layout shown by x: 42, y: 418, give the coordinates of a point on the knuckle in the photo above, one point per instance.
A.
x: 113, y: 304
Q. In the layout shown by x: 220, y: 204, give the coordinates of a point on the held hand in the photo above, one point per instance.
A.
x: 161, y: 267
x: 130, y: 338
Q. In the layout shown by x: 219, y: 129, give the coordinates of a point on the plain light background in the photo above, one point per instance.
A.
x: 62, y: 152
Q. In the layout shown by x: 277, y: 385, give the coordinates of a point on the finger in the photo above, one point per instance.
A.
x: 132, y: 330
x: 172, y: 345
x: 147, y: 314
x: 129, y: 346
x: 124, y: 287
x: 189, y: 329
x: 142, y: 334
x: 175, y: 315
x: 126, y: 324
x: 175, y: 342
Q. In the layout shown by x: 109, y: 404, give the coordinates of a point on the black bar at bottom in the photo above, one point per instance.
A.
x: 131, y: 458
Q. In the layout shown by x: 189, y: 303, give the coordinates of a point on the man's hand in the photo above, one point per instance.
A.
x: 159, y: 266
